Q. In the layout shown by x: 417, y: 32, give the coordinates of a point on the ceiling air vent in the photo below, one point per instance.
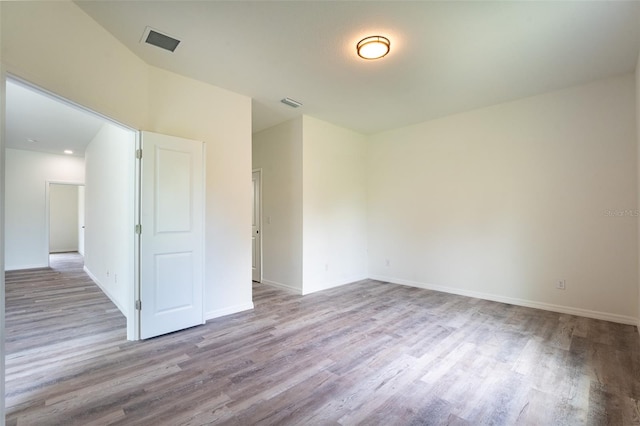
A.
x: 291, y: 102
x: 156, y: 38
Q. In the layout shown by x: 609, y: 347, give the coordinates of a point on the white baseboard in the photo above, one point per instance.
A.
x: 22, y: 267
x: 325, y: 286
x: 228, y: 311
x: 105, y: 291
x: 282, y: 286
x: 622, y: 319
x: 333, y: 284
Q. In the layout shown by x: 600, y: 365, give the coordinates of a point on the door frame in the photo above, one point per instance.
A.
x: 133, y: 326
x: 47, y: 225
x: 259, y: 171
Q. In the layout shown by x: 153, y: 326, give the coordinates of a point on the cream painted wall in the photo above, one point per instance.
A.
x: 63, y: 218
x: 57, y: 46
x: 502, y: 202
x: 334, y: 205
x: 184, y: 107
x: 25, y: 186
x: 278, y: 152
x: 109, y: 213
x: 314, y: 204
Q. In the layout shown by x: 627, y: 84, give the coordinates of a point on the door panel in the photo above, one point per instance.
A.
x: 171, y: 268
x: 171, y: 240
x: 174, y: 204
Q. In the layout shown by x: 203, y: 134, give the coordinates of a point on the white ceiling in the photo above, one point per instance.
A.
x: 37, y: 122
x: 446, y: 57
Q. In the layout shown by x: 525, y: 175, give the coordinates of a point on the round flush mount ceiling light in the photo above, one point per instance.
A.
x: 373, y: 47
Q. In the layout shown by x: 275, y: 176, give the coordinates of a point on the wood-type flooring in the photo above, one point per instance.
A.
x: 367, y: 353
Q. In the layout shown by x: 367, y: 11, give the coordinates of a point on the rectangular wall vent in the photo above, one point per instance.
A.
x: 291, y: 102
x: 156, y: 38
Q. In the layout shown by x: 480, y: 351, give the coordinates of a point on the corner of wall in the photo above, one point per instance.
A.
x: 334, y: 205
x: 637, y: 116
x: 278, y: 152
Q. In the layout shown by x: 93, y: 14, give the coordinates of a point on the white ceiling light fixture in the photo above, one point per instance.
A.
x: 373, y: 47
x: 68, y: 151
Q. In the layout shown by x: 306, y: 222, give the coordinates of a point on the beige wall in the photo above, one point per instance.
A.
x: 501, y: 202
x: 183, y: 107
x: 278, y: 153
x: 334, y: 205
x: 313, y: 204
x: 109, y: 214
x: 57, y: 46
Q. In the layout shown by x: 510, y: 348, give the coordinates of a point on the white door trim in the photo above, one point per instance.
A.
x: 133, y: 326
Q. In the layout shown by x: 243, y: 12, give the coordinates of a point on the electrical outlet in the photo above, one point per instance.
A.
x: 326, y: 267
x: 387, y: 262
x: 561, y: 284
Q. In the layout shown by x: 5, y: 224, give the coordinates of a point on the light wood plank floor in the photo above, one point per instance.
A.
x: 367, y: 353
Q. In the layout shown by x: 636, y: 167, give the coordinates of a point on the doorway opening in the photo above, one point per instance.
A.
x: 70, y: 186
x: 65, y: 218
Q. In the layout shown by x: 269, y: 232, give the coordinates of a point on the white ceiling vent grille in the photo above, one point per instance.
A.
x: 158, y: 39
x: 291, y: 102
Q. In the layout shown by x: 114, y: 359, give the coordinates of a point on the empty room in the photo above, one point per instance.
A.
x: 323, y: 213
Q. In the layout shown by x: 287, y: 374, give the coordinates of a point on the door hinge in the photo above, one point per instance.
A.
x: 138, y: 229
x: 139, y: 154
x: 138, y: 305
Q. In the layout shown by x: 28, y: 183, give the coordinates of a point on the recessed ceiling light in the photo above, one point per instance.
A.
x: 32, y: 140
x: 373, y: 47
x: 68, y: 151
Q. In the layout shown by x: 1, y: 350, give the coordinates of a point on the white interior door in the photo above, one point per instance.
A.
x: 256, y: 257
x: 171, y: 234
